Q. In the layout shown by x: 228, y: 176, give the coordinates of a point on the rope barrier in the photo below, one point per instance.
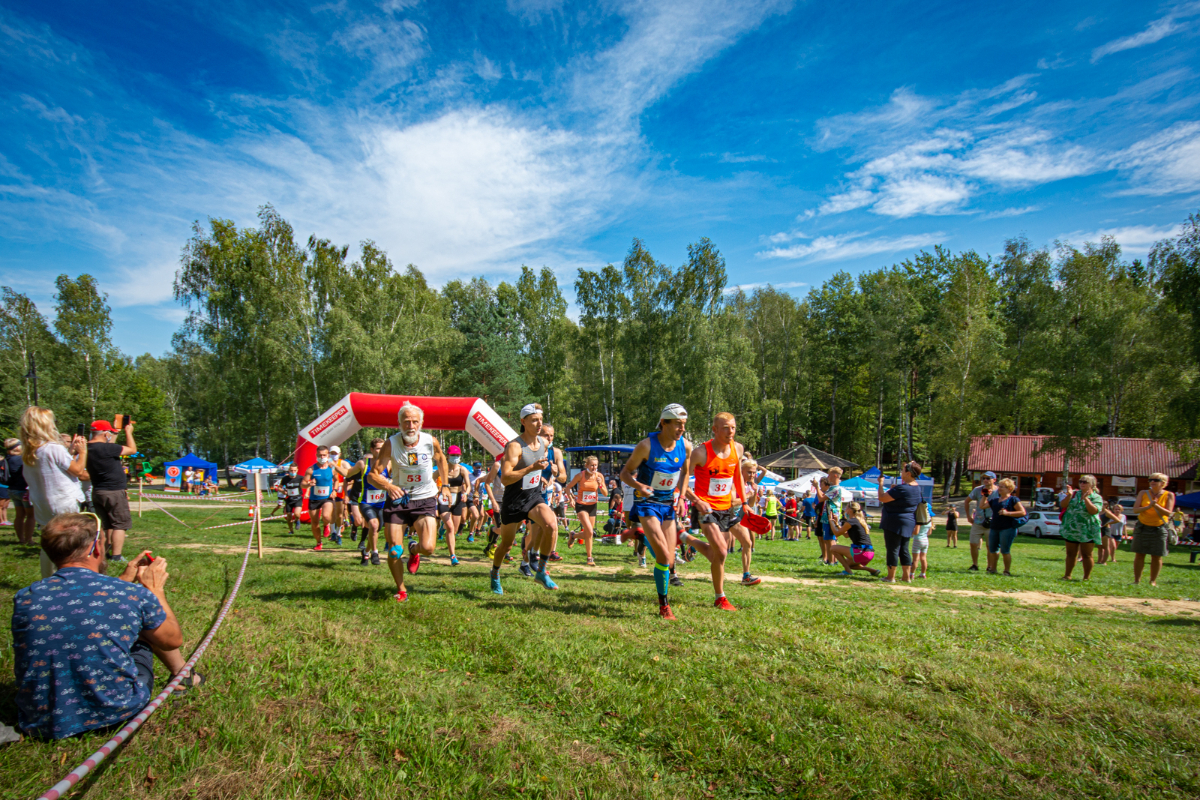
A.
x: 189, y: 498
x: 112, y: 744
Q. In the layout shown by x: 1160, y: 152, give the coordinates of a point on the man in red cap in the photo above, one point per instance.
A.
x: 109, y: 481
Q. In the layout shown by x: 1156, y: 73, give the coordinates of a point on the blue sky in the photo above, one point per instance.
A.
x: 466, y: 138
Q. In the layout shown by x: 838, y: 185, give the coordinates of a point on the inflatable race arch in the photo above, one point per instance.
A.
x: 358, y: 410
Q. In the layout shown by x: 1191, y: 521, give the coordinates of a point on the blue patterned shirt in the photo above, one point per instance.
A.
x: 72, y: 633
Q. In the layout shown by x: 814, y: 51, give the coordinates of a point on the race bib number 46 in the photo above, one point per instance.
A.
x: 664, y: 481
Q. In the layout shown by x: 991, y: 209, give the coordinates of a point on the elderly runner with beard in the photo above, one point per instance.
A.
x: 409, y: 458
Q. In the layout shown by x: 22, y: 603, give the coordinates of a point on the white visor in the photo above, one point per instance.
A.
x: 530, y: 409
x: 673, y: 411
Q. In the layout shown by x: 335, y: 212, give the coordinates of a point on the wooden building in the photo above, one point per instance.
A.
x: 1122, y: 466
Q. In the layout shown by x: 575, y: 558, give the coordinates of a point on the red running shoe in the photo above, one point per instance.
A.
x: 665, y: 613
x: 317, y: 548
x: 414, y: 562
x: 326, y: 532
x: 400, y: 596
x: 724, y: 604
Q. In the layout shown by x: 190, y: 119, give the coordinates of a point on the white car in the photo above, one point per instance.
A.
x: 1040, y: 524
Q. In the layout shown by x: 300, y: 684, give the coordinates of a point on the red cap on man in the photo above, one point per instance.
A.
x: 103, y: 425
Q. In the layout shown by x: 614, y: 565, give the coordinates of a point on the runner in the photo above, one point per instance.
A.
x: 718, y: 480
x: 341, y: 471
x: 318, y: 479
x: 294, y: 496
x: 459, y: 484
x: 474, y: 503
x: 584, y: 493
x: 369, y: 506
x: 493, y: 491
x: 661, y: 465
x: 280, y: 494
x: 357, y: 491
x: 537, y: 536
x: 524, y: 461
x: 409, y: 457
x: 808, y: 512
x: 740, y: 532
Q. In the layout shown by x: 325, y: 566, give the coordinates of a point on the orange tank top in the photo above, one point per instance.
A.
x: 715, y: 477
x: 588, y: 491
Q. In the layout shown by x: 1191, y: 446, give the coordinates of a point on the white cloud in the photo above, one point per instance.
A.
x: 1010, y: 212
x: 844, y: 246
x: 665, y: 43
x: 1158, y: 30
x: 1136, y: 239
x: 921, y: 194
x: 749, y: 287
x: 1165, y: 163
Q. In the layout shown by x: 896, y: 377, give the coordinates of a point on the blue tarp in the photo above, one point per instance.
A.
x: 606, y: 448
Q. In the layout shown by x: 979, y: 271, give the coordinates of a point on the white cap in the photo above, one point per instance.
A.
x: 531, y: 408
x: 336, y: 449
x: 673, y: 411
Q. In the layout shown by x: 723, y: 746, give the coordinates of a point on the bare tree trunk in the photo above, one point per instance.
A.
x: 833, y: 417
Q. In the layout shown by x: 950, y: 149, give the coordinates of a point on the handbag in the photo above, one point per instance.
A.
x: 1017, y: 521
x: 922, y: 514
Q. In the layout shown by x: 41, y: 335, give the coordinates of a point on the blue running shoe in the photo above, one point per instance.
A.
x: 845, y: 573
x: 496, y: 587
x: 337, y: 538
x: 470, y: 537
x: 544, y: 580
x: 454, y: 561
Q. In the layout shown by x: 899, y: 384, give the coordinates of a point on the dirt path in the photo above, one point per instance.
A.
x: 1140, y: 605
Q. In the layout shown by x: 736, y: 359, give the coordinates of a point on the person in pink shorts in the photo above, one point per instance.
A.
x: 860, y: 551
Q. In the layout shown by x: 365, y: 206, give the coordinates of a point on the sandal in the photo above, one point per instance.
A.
x: 591, y: 562
x: 186, y: 686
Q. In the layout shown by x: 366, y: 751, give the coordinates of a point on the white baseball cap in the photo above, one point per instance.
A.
x: 674, y: 411
x: 530, y: 408
x: 336, y: 449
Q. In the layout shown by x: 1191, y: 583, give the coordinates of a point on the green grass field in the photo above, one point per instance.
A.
x: 320, y: 686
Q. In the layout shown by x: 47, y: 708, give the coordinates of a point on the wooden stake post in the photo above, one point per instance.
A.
x: 259, y: 480
x: 140, y: 490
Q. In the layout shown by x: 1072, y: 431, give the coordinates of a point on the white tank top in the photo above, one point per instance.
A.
x: 412, y: 467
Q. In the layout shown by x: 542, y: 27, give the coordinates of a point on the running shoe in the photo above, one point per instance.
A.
x: 526, y: 571
x: 363, y: 544
x: 470, y: 537
x: 496, y: 587
x: 571, y: 540
x: 642, y: 561
x: 337, y: 538
x: 353, y: 534
x: 591, y: 562
x: 325, y: 532
x: 750, y: 580
x: 845, y: 573
x: 554, y: 556
x: 454, y: 561
x: 375, y: 559
x: 364, y: 561
x: 874, y: 572
x: 414, y: 562
x: 973, y: 568
x: 507, y: 558
x: 675, y: 580
x: 489, y: 551
x: 665, y: 613
x: 317, y: 548
x: 724, y: 604
x: 545, y: 580
x: 400, y: 596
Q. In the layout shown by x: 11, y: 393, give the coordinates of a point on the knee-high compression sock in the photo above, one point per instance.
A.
x: 533, y: 560
x: 661, y: 582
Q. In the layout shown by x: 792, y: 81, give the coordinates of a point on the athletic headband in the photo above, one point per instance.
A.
x: 530, y: 409
x: 673, y: 411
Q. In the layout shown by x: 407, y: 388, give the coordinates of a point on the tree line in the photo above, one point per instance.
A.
x: 907, y: 361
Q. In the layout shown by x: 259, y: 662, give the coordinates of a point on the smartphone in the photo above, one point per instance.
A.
x: 80, y: 430
x: 125, y: 420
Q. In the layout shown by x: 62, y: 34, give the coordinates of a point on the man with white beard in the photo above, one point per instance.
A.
x: 410, y: 456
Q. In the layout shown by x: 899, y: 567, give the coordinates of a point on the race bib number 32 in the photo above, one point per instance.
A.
x: 719, y: 487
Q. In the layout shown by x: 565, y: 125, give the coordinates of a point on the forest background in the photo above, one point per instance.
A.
x: 909, y: 360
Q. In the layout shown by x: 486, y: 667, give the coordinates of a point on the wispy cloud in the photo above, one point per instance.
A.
x: 750, y: 287
x: 844, y: 246
x: 1164, y: 163
x: 1010, y: 212
x: 1136, y: 239
x: 1156, y: 31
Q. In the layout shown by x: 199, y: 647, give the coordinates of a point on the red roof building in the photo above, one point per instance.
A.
x: 1122, y: 466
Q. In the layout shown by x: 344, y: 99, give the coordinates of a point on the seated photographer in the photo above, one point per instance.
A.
x: 84, y: 643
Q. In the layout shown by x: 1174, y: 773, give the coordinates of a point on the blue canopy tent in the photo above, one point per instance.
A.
x: 255, y: 465
x: 872, y: 474
x: 1188, y: 500
x: 175, y: 469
